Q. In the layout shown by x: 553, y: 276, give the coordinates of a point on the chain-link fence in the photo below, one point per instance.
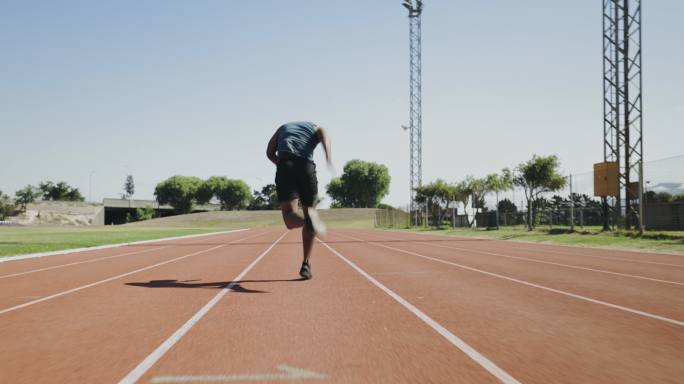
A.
x: 573, y: 206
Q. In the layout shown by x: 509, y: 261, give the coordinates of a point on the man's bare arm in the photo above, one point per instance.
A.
x: 272, y: 147
x: 324, y: 139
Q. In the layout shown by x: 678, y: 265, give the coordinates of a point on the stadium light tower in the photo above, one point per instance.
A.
x: 622, y: 104
x: 415, y: 104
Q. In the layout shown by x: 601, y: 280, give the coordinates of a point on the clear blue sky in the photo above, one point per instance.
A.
x: 157, y: 88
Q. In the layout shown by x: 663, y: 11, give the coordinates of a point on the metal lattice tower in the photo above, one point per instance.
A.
x: 415, y: 108
x: 622, y: 102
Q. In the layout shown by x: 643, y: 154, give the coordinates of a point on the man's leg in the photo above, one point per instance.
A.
x: 292, y: 218
x: 308, y: 235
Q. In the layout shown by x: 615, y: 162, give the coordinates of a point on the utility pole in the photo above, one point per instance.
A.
x: 415, y: 103
x: 90, y: 186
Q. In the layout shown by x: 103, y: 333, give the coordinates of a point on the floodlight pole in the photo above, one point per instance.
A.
x: 622, y: 102
x: 415, y: 102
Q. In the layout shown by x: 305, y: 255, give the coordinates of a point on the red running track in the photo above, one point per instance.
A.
x: 383, y: 307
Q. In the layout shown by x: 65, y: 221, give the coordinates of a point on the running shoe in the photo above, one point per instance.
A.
x: 305, y: 271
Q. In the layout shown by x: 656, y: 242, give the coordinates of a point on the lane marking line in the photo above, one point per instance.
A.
x: 580, y: 297
x: 291, y: 373
x: 553, y: 263
x: 46, y: 298
x: 5, y: 259
x: 137, y: 372
x: 485, y: 363
x: 607, y: 258
x: 81, y: 262
x: 537, y: 247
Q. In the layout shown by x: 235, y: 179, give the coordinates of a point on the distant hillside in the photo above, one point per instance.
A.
x: 342, y: 217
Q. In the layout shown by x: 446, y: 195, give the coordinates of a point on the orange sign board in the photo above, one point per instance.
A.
x: 606, y: 181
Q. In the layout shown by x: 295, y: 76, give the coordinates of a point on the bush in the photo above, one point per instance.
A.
x: 7, y: 207
x: 145, y: 213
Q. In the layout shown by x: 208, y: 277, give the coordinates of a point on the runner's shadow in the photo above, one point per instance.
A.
x: 236, y: 285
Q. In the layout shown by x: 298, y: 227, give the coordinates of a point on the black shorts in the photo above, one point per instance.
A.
x: 296, y: 179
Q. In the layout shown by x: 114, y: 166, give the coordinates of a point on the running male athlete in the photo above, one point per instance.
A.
x: 291, y: 150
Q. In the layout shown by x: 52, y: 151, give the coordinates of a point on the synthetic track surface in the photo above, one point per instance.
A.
x: 383, y: 307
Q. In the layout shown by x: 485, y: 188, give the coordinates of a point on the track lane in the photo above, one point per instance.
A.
x: 657, y: 298
x: 23, y: 289
x: 595, y: 261
x: 609, y: 254
x: 97, y: 334
x: 535, y: 335
x: 338, y: 325
x: 26, y: 266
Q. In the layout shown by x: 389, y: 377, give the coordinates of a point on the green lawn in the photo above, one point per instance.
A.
x: 23, y: 240
x: 657, y: 241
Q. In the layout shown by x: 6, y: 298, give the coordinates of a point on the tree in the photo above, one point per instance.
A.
x: 463, y: 193
x: 26, y: 195
x: 129, y: 187
x: 536, y: 176
x: 362, y: 185
x: 438, y: 195
x: 59, y: 192
x: 7, y: 208
x: 178, y: 191
x: 265, y: 200
x: 506, y: 206
x: 233, y: 194
x: 498, y: 183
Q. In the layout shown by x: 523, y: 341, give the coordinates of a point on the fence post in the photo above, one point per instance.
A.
x: 572, y: 208
x: 427, y: 215
x: 408, y: 217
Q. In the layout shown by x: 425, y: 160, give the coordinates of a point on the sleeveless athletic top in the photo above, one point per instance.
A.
x: 298, y: 138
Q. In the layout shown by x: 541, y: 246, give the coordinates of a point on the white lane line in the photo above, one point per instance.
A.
x: 552, y: 263
x: 98, y: 259
x: 46, y: 298
x: 5, y: 259
x: 508, y: 244
x: 157, y: 354
x: 584, y: 298
x: 290, y: 373
x: 476, y: 356
x: 81, y: 262
x: 605, y: 257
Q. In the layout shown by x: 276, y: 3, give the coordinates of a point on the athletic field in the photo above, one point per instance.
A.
x: 383, y: 307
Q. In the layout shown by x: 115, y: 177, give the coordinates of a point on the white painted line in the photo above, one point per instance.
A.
x: 291, y: 373
x: 584, y: 298
x: 606, y: 257
x: 5, y: 259
x: 157, y: 354
x: 46, y: 298
x: 485, y: 363
x: 552, y: 263
x: 508, y: 244
x: 81, y: 262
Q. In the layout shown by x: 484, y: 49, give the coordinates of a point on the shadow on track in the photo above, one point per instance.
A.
x: 237, y: 287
